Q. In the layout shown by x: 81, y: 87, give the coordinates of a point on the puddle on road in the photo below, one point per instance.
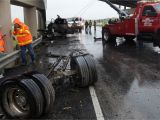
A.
x: 93, y: 47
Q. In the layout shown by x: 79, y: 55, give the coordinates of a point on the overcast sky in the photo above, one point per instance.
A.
x: 17, y: 11
x: 87, y: 9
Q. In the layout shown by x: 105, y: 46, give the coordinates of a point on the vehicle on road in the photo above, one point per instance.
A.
x: 76, y: 24
x: 59, y: 26
x: 143, y: 24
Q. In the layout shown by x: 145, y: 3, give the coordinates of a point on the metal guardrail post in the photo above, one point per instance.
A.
x: 9, y: 58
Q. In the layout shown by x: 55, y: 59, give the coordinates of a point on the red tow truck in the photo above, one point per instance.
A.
x: 143, y: 24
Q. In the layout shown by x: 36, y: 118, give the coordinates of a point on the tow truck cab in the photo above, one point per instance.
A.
x: 144, y: 23
x: 149, y: 19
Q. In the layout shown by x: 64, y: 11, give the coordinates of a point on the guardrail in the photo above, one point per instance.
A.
x: 9, y: 58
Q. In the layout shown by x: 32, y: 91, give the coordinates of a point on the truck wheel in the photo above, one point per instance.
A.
x: 46, y: 88
x: 92, y: 69
x: 108, y: 38
x: 105, y: 36
x: 21, y: 98
x: 79, y: 64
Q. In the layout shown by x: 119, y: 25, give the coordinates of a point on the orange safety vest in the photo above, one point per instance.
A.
x: 23, y: 34
x: 1, y: 44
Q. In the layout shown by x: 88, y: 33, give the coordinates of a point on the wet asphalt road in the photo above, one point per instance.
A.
x: 128, y: 86
x: 129, y: 79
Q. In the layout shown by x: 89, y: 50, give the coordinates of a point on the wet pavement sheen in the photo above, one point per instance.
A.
x: 129, y: 79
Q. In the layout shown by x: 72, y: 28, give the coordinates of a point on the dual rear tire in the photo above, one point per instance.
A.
x: 27, y: 96
x: 86, y: 70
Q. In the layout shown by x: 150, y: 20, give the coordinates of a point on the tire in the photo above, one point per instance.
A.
x: 47, y: 90
x: 21, y: 98
x: 80, y: 65
x: 92, y: 69
x: 107, y: 37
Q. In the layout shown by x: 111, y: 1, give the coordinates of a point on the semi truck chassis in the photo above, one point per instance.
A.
x: 32, y: 94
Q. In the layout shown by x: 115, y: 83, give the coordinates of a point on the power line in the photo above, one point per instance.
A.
x: 85, y: 7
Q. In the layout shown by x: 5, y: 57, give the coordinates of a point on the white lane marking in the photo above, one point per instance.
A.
x: 96, y: 104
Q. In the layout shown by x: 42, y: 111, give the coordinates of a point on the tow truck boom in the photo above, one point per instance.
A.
x: 120, y: 12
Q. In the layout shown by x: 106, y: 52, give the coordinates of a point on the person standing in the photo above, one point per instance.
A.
x: 24, y: 38
x: 90, y: 26
x: 86, y: 27
x: 95, y: 24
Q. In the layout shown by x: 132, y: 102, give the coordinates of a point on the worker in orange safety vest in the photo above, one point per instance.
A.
x: 24, y: 38
x: 2, y: 44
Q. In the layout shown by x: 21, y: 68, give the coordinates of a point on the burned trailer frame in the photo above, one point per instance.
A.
x: 32, y: 94
x: 78, y: 66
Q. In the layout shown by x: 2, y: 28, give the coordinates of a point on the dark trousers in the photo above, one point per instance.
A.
x: 23, y: 53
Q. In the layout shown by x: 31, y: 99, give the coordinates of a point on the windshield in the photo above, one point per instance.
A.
x: 157, y: 6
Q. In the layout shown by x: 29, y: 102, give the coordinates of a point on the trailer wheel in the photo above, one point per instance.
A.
x: 79, y: 64
x: 85, y: 66
x: 107, y: 37
x: 21, y: 98
x: 46, y: 88
x: 92, y: 69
